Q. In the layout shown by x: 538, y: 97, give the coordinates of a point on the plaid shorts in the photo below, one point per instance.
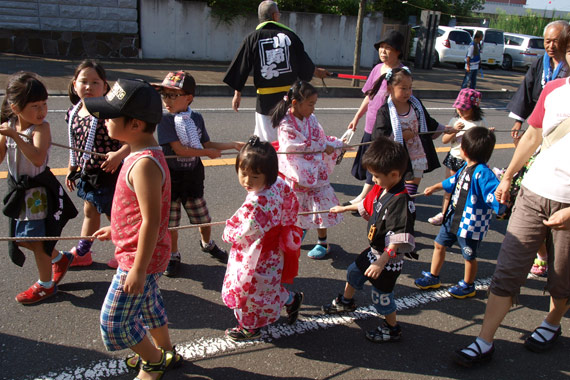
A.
x: 125, y: 316
x: 195, y: 208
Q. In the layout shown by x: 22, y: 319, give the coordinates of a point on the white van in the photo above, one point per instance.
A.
x: 493, y: 44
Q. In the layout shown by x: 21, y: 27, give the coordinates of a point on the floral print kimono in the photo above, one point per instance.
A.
x: 265, y: 253
x: 308, y: 174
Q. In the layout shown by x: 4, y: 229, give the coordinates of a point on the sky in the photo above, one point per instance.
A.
x: 559, y: 5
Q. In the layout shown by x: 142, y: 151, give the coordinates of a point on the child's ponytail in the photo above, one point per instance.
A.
x: 300, y: 91
x: 392, y: 77
x: 280, y: 110
x: 374, y: 90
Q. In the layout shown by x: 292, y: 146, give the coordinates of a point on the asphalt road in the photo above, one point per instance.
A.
x: 60, y: 339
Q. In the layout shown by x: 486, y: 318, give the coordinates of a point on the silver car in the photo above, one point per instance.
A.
x: 521, y: 50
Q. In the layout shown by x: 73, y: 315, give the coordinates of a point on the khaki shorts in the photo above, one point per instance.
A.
x: 525, y: 234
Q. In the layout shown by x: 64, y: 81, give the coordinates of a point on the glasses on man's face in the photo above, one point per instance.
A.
x: 170, y: 96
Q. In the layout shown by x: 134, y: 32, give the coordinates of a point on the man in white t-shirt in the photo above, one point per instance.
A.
x: 542, y: 211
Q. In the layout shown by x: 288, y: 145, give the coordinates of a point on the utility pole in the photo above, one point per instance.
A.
x: 358, y: 42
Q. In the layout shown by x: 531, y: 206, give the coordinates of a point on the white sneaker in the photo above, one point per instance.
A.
x: 436, y: 220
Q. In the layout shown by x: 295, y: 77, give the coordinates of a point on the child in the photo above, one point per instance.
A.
x: 97, y: 175
x: 35, y: 196
x: 182, y: 132
x: 468, y: 114
x: 402, y: 117
x: 472, y: 61
x: 265, y: 245
x: 307, y: 174
x: 391, y: 214
x: 139, y: 230
x: 472, y: 188
x: 390, y: 52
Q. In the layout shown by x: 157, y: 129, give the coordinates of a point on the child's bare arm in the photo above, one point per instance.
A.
x: 224, y: 145
x: 184, y: 151
x: 103, y: 233
x: 2, y: 143
x: 148, y: 191
x: 374, y: 270
x: 36, y: 150
x: 432, y: 189
x: 340, y: 209
x: 114, y: 159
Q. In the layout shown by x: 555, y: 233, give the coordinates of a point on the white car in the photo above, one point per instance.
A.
x: 451, y: 45
x: 493, y: 44
x: 521, y: 50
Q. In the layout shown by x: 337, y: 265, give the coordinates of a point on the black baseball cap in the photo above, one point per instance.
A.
x: 132, y: 98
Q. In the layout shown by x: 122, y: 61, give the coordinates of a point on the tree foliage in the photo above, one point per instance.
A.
x: 227, y: 10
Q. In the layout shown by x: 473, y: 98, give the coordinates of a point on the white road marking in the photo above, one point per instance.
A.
x: 208, y: 347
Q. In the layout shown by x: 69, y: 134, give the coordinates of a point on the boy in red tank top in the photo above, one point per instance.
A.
x: 139, y: 230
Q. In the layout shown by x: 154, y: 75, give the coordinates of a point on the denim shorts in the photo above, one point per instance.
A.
x: 382, y: 301
x: 30, y: 228
x: 101, y: 198
x: 446, y: 238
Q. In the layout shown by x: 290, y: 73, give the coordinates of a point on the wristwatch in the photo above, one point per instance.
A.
x: 391, y: 252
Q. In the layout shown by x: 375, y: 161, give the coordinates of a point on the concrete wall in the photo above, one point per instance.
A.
x: 101, y: 16
x: 186, y: 30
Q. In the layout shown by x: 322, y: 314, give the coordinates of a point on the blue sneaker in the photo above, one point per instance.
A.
x: 428, y: 281
x: 318, y: 252
x: 462, y: 290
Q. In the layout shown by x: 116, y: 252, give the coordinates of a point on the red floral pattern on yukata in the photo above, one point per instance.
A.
x: 252, y: 284
x: 308, y: 174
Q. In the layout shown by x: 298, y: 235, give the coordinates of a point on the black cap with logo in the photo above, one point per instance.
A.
x: 133, y: 98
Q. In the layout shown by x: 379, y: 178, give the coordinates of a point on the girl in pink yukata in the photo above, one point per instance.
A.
x: 307, y: 174
x: 265, y: 245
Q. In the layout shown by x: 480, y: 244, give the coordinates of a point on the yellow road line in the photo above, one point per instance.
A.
x: 232, y: 161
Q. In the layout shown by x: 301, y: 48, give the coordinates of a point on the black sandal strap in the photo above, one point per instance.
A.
x: 544, y: 340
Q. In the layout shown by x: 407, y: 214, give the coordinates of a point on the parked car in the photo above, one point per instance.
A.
x: 493, y: 44
x: 450, y: 45
x: 521, y: 50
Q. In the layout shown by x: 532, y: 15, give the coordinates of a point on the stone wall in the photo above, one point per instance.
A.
x: 70, y: 28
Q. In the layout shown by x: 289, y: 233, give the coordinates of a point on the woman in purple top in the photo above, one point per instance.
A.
x: 390, y: 53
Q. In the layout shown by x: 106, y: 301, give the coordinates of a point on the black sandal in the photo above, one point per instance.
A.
x: 536, y: 345
x: 466, y: 360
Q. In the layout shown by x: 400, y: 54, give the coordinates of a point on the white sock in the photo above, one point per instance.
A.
x: 206, y: 245
x: 547, y: 334
x: 485, y: 347
x: 57, y: 258
x: 175, y: 256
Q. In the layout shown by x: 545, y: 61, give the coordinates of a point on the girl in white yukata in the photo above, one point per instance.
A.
x: 307, y: 174
x: 265, y: 245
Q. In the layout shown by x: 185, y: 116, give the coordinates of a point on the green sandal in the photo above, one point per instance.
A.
x: 168, y: 361
x: 133, y: 361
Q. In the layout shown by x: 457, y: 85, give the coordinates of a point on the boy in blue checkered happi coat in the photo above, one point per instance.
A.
x: 468, y: 216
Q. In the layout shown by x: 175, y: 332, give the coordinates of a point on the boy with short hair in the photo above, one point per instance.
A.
x: 391, y: 215
x: 139, y: 230
x: 182, y: 132
x: 473, y: 194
